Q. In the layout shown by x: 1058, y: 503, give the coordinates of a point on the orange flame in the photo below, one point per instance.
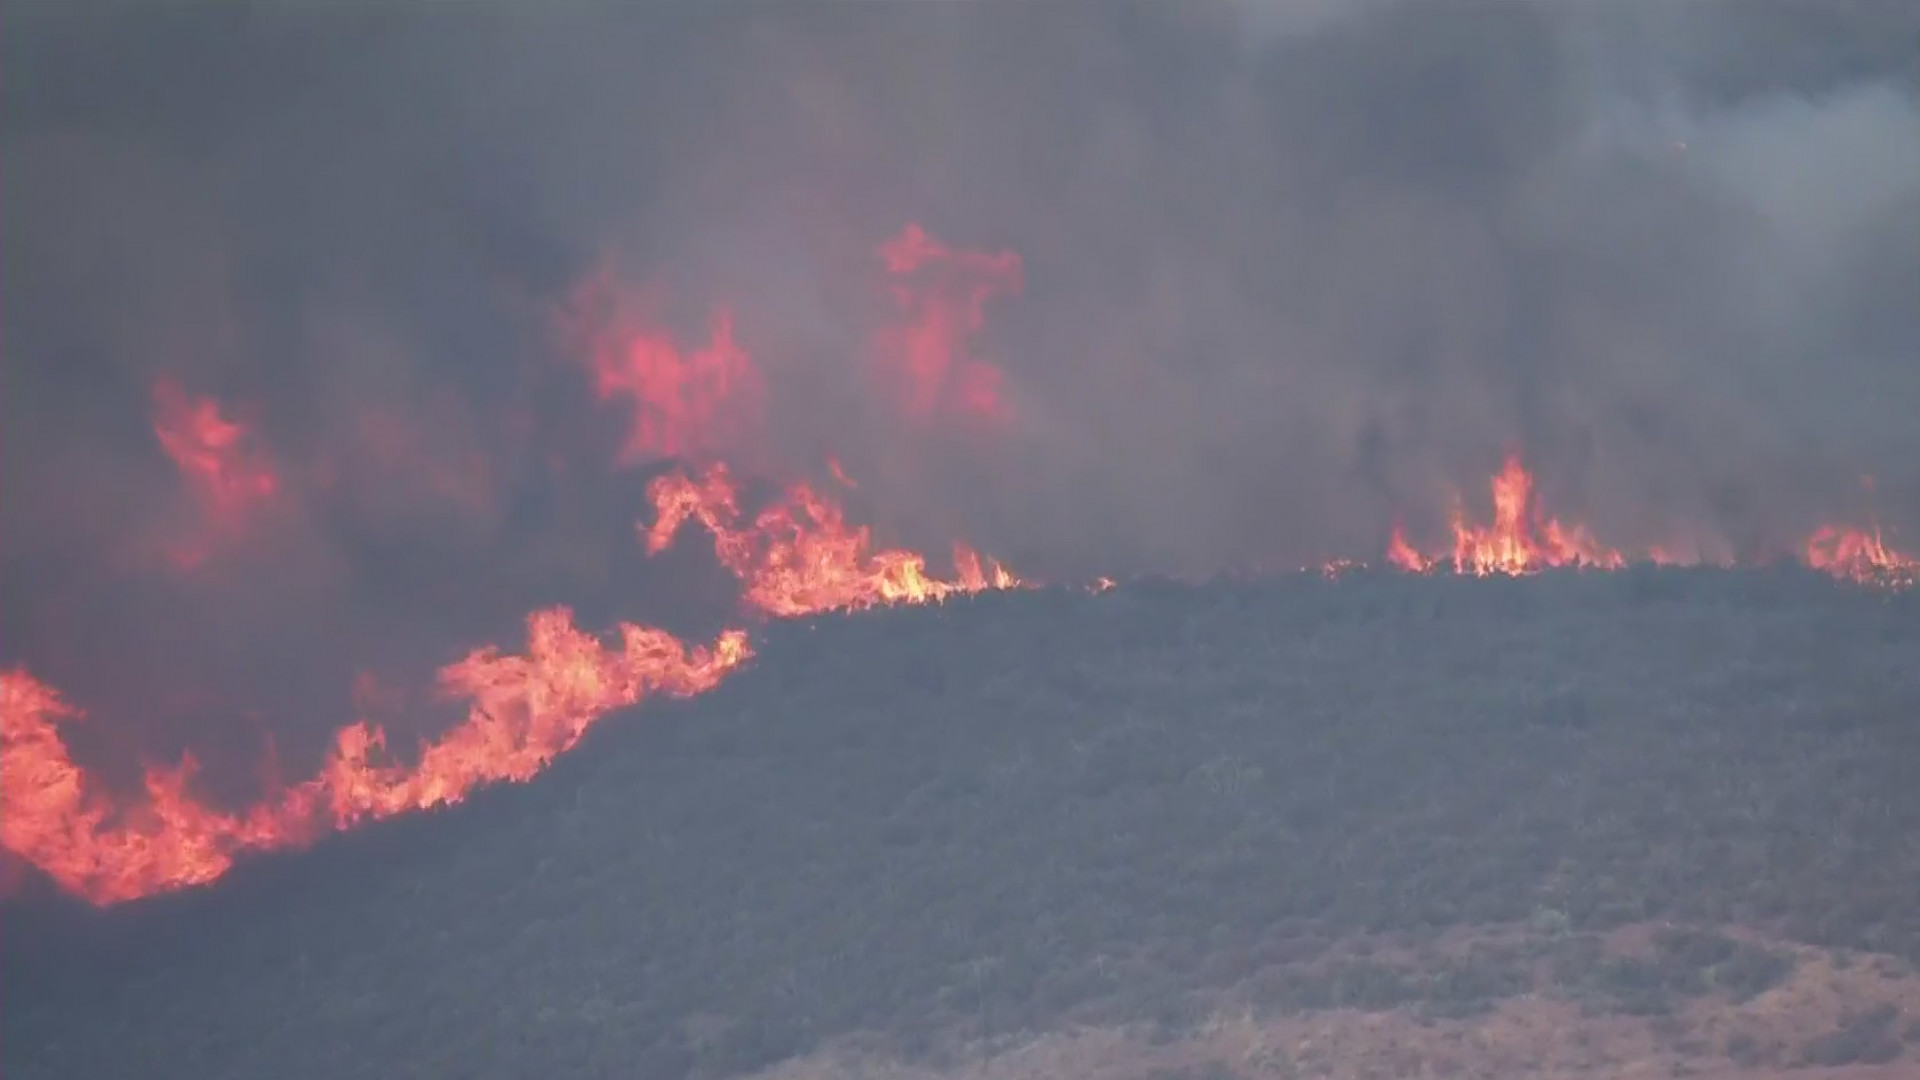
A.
x: 524, y: 710
x: 795, y: 555
x: 799, y: 556
x: 1520, y: 540
x: 1402, y: 554
x: 1862, y: 556
x: 942, y: 294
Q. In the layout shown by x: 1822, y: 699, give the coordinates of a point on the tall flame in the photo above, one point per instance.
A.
x: 1519, y: 540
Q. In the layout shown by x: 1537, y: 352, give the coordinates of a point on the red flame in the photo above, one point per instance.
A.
x: 221, y: 461
x: 942, y: 294
x: 698, y: 402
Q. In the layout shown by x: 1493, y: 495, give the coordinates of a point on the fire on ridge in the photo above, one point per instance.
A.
x: 524, y: 706
x: 1522, y: 539
x: 797, y: 554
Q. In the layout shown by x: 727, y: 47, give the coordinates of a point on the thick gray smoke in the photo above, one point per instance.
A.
x: 1292, y: 269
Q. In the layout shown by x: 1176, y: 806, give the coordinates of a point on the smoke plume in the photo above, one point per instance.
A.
x: 314, y: 319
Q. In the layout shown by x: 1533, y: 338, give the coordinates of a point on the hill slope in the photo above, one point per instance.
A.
x: 1631, y: 794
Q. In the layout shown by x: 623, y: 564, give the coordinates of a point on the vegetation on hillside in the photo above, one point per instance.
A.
x: 1030, y: 809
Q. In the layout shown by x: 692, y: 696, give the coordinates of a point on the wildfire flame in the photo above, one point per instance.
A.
x: 524, y: 709
x: 942, y: 294
x: 799, y: 555
x: 221, y: 461
x: 1861, y: 555
x: 709, y: 401
x: 697, y: 402
x: 1522, y: 539
x: 794, y: 553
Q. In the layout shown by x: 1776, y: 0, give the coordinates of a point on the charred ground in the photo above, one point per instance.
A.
x: 957, y: 826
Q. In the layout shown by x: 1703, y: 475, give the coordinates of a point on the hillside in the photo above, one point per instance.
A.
x: 1250, y: 828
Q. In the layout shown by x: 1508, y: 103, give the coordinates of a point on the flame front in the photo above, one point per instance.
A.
x: 793, y: 554
x: 524, y: 709
x: 1861, y: 555
x: 1522, y: 539
x: 799, y: 555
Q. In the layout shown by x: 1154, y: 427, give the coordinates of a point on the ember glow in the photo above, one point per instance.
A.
x: 695, y: 416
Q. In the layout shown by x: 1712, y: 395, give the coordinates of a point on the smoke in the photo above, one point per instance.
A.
x: 1290, y: 271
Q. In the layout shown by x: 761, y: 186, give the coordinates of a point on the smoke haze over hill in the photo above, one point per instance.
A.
x: 1254, y: 282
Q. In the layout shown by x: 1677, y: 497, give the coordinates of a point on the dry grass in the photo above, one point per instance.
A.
x: 1545, y: 1035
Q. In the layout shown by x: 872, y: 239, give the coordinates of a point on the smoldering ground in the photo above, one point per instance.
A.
x: 1291, y: 271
